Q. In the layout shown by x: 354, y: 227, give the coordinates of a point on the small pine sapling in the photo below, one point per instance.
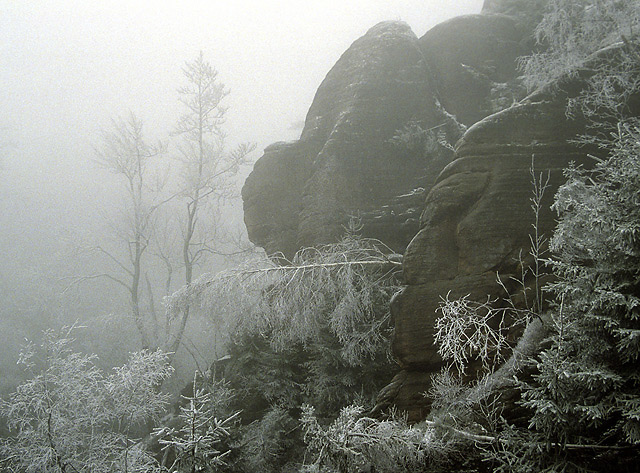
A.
x: 197, y: 444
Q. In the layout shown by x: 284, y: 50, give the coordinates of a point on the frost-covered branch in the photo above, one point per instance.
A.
x: 72, y: 416
x: 353, y: 442
x: 467, y: 329
x: 345, y: 287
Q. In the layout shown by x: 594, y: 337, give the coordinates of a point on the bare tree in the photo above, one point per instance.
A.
x: 207, y: 168
x: 124, y: 152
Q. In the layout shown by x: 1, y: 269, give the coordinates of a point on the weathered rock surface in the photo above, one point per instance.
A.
x: 473, y: 59
x: 272, y: 197
x: 346, y: 163
x: 302, y: 193
x: 476, y: 223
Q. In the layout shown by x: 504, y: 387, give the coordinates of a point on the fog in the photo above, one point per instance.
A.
x: 69, y: 67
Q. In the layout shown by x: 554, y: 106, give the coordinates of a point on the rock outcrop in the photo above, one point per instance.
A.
x: 376, y: 135
x: 302, y: 193
x: 475, y: 225
x: 375, y: 141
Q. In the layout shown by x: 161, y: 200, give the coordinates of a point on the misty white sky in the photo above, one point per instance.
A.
x: 68, y: 66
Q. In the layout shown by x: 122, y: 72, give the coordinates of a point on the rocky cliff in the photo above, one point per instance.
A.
x: 379, y: 131
x: 302, y: 193
x: 475, y: 226
x: 377, y: 144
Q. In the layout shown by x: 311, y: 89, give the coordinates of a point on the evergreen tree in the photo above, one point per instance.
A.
x: 589, y: 381
x: 587, y: 390
x: 313, y: 330
x: 199, y: 443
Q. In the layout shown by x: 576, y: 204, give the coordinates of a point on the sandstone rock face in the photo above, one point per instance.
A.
x: 346, y: 162
x: 302, y: 193
x: 473, y: 61
x: 476, y: 224
x: 371, y: 147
